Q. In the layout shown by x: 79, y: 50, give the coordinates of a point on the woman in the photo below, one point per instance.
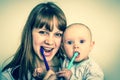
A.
x: 44, y: 28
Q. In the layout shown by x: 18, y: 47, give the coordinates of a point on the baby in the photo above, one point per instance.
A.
x: 78, y: 38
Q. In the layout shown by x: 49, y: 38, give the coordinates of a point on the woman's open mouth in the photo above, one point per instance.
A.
x: 47, y: 51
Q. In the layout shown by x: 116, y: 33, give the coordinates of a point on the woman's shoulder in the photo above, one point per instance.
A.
x: 6, y: 75
x: 10, y: 73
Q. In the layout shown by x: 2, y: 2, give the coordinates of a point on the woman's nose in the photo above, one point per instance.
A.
x: 49, y: 40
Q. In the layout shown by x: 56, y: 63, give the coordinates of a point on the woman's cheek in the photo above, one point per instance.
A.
x: 36, y: 44
x: 59, y: 42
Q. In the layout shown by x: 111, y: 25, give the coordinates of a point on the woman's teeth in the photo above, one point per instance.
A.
x: 48, y: 49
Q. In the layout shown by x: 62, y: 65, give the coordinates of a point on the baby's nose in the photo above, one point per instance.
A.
x: 76, y: 46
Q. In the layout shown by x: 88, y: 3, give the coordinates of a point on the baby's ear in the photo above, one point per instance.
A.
x: 92, y: 45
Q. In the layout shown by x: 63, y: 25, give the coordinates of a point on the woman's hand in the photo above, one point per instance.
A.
x: 65, y: 73
x: 37, y: 72
x: 50, y: 75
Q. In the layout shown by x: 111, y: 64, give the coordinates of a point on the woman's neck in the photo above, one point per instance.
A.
x: 53, y: 63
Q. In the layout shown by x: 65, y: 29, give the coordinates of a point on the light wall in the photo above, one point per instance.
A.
x: 101, y: 16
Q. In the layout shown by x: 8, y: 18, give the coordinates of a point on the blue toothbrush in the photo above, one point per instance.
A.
x: 45, y: 61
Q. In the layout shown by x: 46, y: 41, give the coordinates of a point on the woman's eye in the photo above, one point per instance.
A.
x: 42, y: 32
x: 58, y: 34
x: 69, y: 42
x: 82, y: 41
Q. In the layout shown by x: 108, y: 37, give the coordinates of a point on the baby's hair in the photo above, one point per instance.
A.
x: 83, y: 25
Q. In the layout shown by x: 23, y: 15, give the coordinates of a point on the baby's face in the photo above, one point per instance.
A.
x: 77, y: 38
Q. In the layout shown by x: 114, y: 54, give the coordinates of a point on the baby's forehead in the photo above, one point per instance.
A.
x: 77, y: 30
x: 77, y: 27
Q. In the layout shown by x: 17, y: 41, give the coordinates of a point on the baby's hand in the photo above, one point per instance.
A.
x: 50, y: 75
x: 65, y: 73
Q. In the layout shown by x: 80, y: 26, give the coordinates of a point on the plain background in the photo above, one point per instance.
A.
x: 101, y: 16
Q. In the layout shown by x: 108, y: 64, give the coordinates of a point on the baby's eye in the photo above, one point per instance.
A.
x: 43, y: 32
x: 69, y: 42
x: 58, y: 34
x: 82, y: 41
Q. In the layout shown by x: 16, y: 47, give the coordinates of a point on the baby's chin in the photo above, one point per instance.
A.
x: 77, y: 60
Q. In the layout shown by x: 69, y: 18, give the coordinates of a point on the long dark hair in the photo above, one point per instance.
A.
x: 40, y: 16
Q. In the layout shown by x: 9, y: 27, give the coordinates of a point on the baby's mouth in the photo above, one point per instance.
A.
x: 78, y: 54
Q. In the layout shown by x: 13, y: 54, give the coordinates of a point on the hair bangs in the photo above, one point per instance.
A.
x: 61, y: 24
x: 44, y: 20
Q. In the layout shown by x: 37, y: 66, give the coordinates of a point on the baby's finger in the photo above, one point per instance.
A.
x: 61, y: 75
x: 60, y: 72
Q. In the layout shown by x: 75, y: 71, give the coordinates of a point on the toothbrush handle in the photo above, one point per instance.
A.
x: 71, y: 62
x: 46, y: 64
x: 44, y: 59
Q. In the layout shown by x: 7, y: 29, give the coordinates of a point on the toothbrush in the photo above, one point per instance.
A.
x: 45, y: 61
x: 71, y: 63
x: 73, y: 58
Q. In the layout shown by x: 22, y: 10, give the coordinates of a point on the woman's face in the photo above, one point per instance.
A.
x: 49, y: 40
